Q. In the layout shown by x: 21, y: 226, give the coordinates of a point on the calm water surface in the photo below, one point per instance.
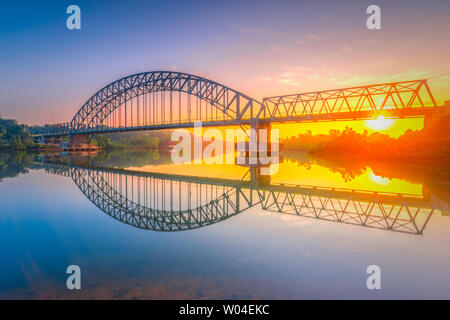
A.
x: 53, y: 215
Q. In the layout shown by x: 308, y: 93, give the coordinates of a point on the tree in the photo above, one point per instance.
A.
x: 14, y: 135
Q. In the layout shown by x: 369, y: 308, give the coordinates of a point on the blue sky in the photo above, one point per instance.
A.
x: 262, y: 48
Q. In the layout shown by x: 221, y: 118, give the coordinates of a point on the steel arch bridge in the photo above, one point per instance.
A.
x: 111, y: 108
x: 167, y: 99
x: 166, y: 202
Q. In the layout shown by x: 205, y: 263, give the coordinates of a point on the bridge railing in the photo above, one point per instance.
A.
x: 58, y: 129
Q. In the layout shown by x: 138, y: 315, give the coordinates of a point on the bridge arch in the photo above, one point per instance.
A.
x: 227, y: 104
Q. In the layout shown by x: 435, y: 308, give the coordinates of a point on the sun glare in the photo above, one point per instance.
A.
x: 380, y: 123
x: 378, y: 179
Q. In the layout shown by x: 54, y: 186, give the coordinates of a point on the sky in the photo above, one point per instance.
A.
x: 261, y: 48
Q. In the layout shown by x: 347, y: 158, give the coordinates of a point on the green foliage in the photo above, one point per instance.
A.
x: 14, y: 135
x: 118, y: 142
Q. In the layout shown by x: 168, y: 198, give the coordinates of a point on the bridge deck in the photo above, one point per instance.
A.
x: 325, y: 117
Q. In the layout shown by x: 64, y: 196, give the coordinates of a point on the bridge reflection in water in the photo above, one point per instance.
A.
x: 166, y: 202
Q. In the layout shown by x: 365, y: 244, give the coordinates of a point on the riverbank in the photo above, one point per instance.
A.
x: 422, y: 146
x: 131, y: 141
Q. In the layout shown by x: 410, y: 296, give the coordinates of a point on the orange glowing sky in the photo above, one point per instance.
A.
x: 396, y: 127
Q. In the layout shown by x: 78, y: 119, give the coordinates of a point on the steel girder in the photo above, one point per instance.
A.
x: 396, y: 99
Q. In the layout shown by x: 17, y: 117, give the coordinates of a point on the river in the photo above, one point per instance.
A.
x: 140, y: 227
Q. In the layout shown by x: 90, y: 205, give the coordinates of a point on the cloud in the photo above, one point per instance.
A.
x: 275, y: 48
x: 346, y: 48
x: 292, y: 76
x: 313, y: 36
x: 355, y: 80
x: 298, y: 76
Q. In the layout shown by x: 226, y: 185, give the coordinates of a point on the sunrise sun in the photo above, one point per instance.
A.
x: 380, y: 123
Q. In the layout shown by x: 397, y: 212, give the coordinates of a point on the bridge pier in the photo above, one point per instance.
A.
x: 258, y: 179
x: 258, y: 153
x: 437, y: 118
x: 79, y: 142
x: 260, y: 135
x: 436, y: 133
x: 80, y: 139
